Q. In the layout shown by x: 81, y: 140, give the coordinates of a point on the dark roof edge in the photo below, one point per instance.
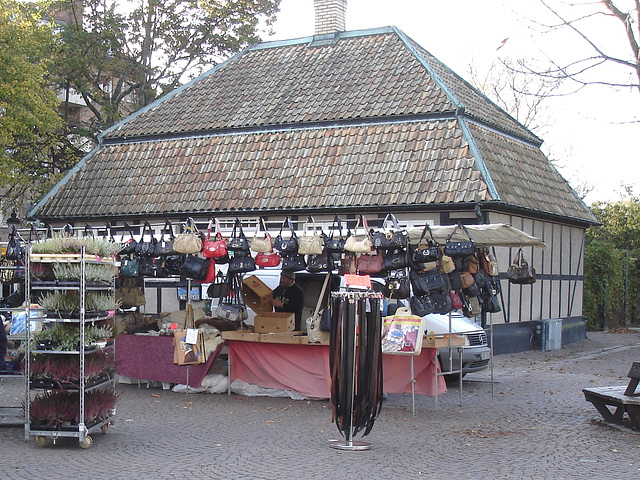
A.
x: 499, y: 207
x: 479, y: 159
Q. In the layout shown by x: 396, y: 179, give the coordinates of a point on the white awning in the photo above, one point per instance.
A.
x: 490, y: 235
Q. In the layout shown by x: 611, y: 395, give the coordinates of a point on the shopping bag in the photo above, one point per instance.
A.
x: 188, y: 342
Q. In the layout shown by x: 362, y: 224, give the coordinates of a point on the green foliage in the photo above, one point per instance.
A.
x: 29, y: 123
x: 612, y: 270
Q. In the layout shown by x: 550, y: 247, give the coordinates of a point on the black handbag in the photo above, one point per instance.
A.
x: 395, y: 259
x: 164, y: 247
x: 390, y: 240
x: 150, y: 266
x: 320, y: 263
x: 335, y: 245
x: 492, y: 304
x: 242, y: 262
x: 459, y: 249
x: 441, y: 303
x: 195, y: 267
x: 129, y: 245
x: 520, y: 272
x: 455, y: 280
x: 129, y: 267
x: 15, y: 251
x: 427, y: 282
x: 421, y: 305
x: 220, y: 286
x: 172, y: 265
x: 397, y: 286
x: 427, y: 253
x: 238, y: 241
x: 289, y: 245
x: 325, y: 320
x: 293, y: 262
x: 147, y: 248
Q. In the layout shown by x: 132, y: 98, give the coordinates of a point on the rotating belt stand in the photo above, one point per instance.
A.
x: 347, y: 333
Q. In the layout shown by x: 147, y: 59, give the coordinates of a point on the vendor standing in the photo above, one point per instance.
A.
x: 289, y: 297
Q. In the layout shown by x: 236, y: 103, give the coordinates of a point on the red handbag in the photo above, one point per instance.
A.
x: 268, y: 259
x: 456, y: 301
x: 217, y: 247
x: 370, y: 264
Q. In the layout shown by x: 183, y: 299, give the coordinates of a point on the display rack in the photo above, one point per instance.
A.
x: 43, y: 433
x: 13, y: 413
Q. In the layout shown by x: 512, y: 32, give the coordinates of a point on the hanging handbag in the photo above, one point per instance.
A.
x: 129, y: 267
x: 320, y: 263
x: 335, y: 245
x: 215, y: 247
x: 195, y: 267
x: 348, y: 264
x: 149, y: 266
x: 370, y: 264
x: 15, y: 250
x: 314, y: 333
x: 466, y: 279
x: 129, y: 245
x: 8, y: 270
x: 441, y: 303
x: 264, y: 244
x: 427, y: 253
x: 395, y: 259
x: 293, y: 262
x: 310, y: 244
x: 471, y: 264
x: 190, y: 240
x: 392, y: 239
x: 164, y: 247
x: 456, y: 301
x: 471, y: 306
x: 238, y: 241
x: 130, y: 295
x: 447, y: 263
x: 492, y: 304
x: 421, y: 305
x: 289, y: 245
x: 352, y: 244
x: 219, y: 287
x: 242, y: 262
x: 232, y: 307
x: 268, y: 259
x: 459, y: 248
x: 520, y: 272
x: 455, y: 280
x: 185, y: 352
x: 489, y: 263
x: 427, y: 282
x: 147, y: 248
x: 397, y: 286
x: 172, y: 265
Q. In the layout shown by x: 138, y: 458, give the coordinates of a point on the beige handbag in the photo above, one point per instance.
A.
x: 448, y: 265
x: 189, y: 241
x: 261, y: 245
x: 310, y: 244
x: 352, y: 244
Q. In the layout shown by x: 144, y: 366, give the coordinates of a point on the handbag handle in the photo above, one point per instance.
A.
x: 426, y: 229
x: 394, y: 221
x: 167, y: 223
x: 287, y: 221
x: 321, y: 298
x: 126, y: 228
x: 464, y: 229
x: 146, y: 227
x: 306, y: 225
x: 336, y: 219
x: 188, y: 316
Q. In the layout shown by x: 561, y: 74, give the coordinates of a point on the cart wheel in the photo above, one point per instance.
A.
x: 105, y: 428
x: 41, y: 441
x: 86, y: 443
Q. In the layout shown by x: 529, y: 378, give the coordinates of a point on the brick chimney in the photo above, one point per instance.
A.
x: 330, y: 16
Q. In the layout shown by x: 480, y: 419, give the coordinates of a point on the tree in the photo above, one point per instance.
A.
x: 121, y: 59
x: 29, y: 124
x: 593, y: 22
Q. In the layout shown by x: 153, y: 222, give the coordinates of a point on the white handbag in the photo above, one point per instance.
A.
x: 310, y: 244
x: 264, y: 244
x: 314, y: 334
x: 352, y: 244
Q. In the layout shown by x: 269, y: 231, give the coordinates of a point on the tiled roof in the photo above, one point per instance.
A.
x: 406, y: 163
x: 371, y: 120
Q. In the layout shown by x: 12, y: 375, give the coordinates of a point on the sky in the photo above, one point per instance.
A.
x: 591, y: 135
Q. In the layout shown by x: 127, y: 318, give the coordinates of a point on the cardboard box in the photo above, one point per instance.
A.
x: 244, y: 335
x: 274, y: 322
x: 442, y: 341
x: 257, y: 295
x: 287, y: 337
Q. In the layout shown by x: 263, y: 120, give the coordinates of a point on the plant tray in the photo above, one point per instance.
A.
x: 68, y: 257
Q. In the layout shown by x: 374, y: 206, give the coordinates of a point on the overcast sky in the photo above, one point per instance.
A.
x: 589, y: 132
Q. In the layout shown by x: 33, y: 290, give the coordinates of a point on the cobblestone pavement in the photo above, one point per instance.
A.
x: 535, y: 425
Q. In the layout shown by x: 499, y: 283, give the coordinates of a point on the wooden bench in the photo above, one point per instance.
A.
x: 621, y: 399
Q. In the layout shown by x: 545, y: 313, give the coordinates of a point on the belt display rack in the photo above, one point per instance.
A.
x: 355, y: 362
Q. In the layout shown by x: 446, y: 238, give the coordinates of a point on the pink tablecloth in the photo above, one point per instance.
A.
x: 305, y: 368
x: 147, y: 357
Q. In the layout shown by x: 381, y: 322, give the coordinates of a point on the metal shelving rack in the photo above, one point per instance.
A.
x: 81, y: 430
x: 10, y: 413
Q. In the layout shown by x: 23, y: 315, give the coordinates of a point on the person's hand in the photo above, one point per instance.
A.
x: 276, y: 303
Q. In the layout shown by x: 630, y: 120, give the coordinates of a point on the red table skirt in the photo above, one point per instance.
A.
x: 148, y: 357
x: 305, y: 368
